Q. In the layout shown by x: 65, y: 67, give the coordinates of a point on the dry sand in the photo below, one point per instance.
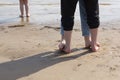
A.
x: 30, y: 52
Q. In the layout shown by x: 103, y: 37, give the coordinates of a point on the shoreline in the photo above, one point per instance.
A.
x: 109, y: 11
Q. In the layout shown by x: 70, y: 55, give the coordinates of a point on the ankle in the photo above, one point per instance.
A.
x: 27, y: 15
x: 94, y: 47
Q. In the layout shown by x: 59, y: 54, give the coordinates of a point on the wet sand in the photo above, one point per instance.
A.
x: 29, y: 50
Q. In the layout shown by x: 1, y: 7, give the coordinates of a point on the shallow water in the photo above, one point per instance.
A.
x: 48, y: 11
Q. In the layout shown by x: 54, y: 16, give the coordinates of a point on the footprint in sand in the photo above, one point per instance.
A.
x: 112, y: 69
x: 79, y: 65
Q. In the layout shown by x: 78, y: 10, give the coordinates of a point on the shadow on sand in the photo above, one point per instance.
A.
x: 23, y: 67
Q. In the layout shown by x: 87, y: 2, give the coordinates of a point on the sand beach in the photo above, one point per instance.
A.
x: 29, y: 46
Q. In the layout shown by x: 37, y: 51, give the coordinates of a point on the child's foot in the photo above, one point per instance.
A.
x: 61, y: 46
x: 21, y: 16
x: 28, y: 15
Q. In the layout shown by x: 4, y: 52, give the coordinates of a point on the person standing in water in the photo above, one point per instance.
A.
x: 22, y: 4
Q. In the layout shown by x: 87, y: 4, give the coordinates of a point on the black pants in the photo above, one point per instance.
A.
x: 68, y: 10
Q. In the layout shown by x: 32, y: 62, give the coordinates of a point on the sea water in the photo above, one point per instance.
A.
x: 48, y: 11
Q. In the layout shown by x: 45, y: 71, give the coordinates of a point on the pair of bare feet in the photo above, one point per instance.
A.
x: 94, y: 47
x: 27, y: 15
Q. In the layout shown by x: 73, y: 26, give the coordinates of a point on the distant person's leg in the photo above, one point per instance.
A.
x: 21, y: 4
x: 27, y: 7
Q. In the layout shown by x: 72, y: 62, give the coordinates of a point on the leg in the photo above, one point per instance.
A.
x: 67, y: 11
x: 62, y: 41
x: 67, y: 36
x: 92, y: 8
x: 27, y: 7
x: 21, y: 7
x: 94, y: 45
x: 84, y: 25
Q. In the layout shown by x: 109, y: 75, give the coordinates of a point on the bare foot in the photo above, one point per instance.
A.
x: 66, y: 50
x: 61, y: 46
x: 98, y: 44
x: 27, y: 15
x: 95, y: 47
x: 21, y: 16
x: 87, y: 45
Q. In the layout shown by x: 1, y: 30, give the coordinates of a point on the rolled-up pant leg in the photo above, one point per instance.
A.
x: 92, y: 9
x: 67, y: 12
x: 83, y: 16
